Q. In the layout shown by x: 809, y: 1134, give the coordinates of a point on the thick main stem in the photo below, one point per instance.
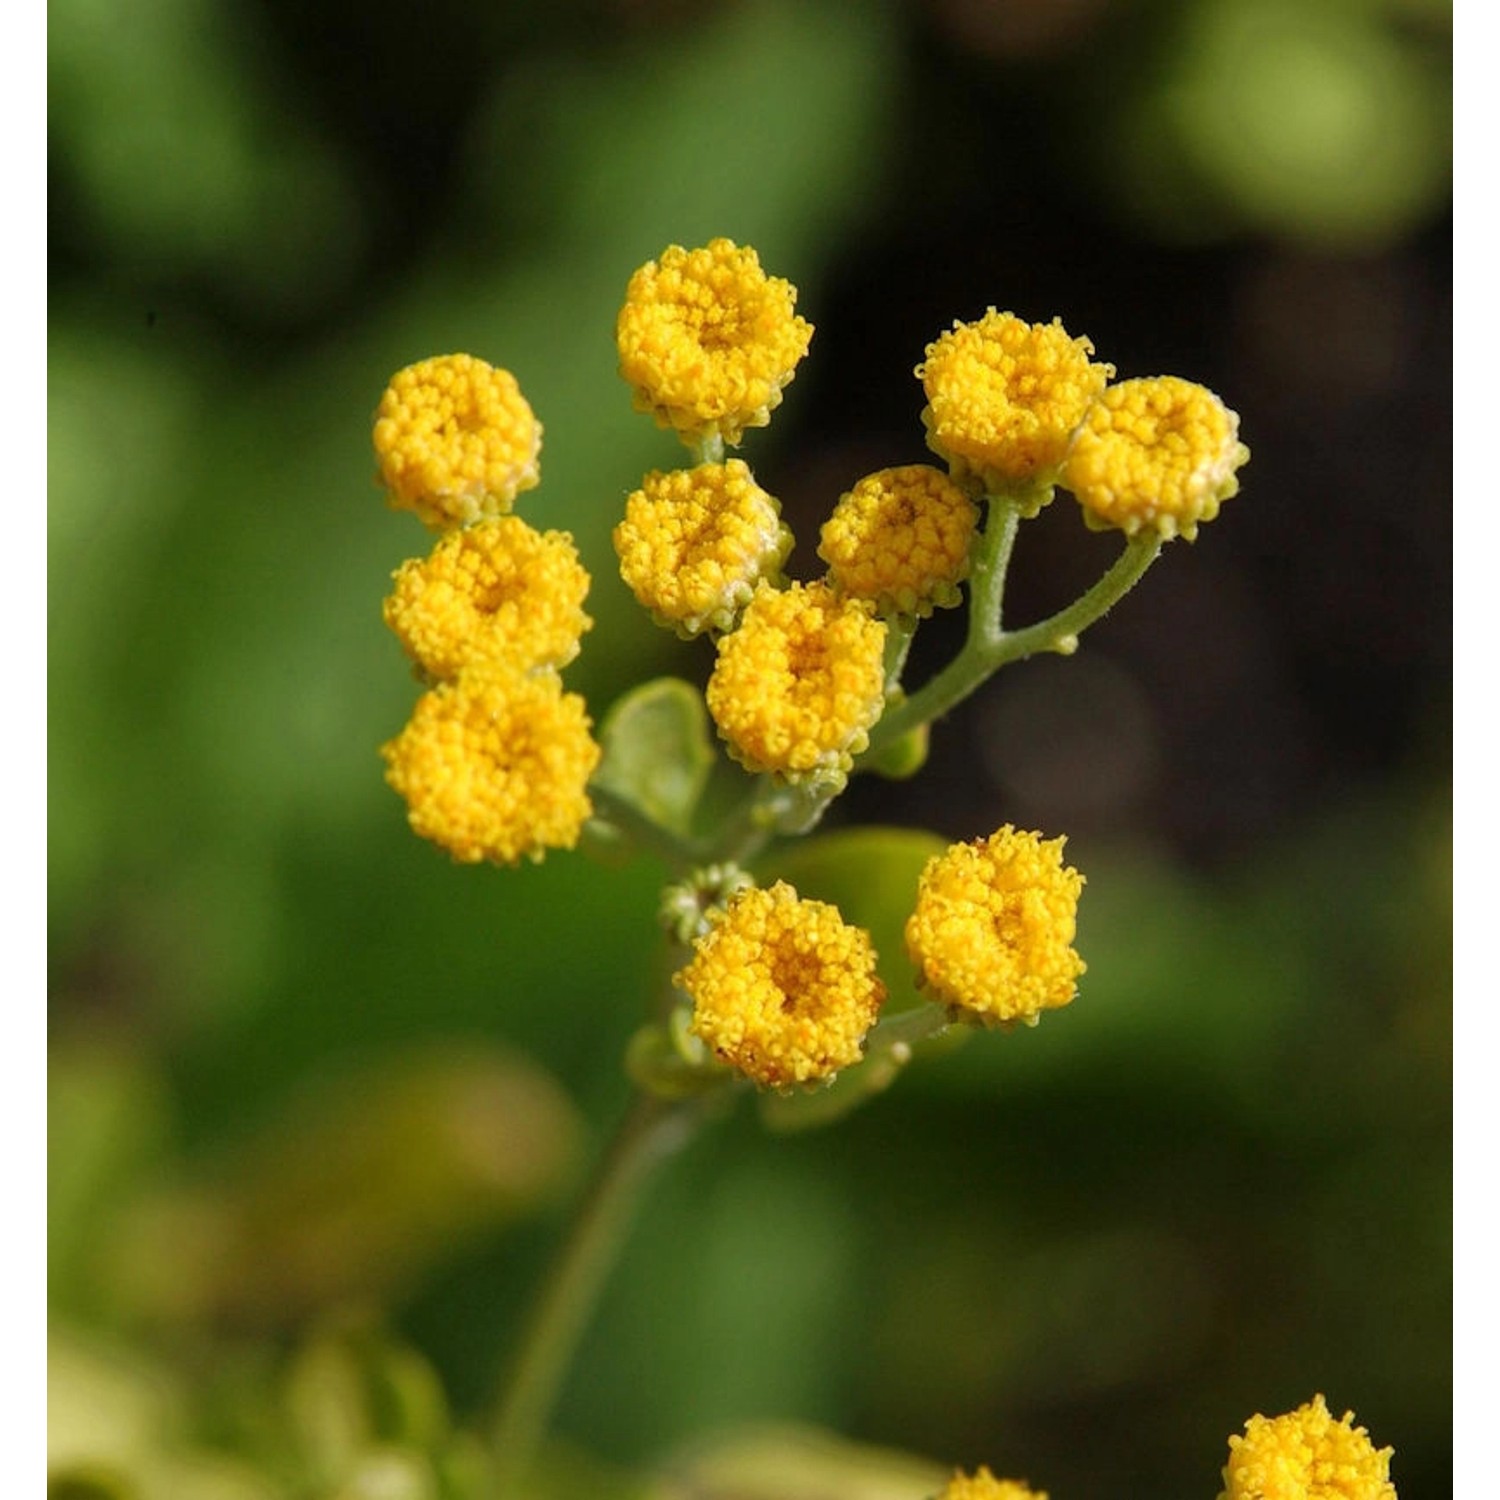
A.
x: 651, y: 1131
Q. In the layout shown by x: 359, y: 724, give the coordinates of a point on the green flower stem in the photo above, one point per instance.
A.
x: 652, y: 1130
x: 679, y: 852
x: 756, y: 821
x: 989, y: 648
x: 898, y: 639
x: 1060, y: 632
x: 906, y: 1028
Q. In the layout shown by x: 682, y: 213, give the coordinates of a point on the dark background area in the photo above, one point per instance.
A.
x: 1220, y: 1181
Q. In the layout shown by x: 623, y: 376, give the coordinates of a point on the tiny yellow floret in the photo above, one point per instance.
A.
x: 1155, y: 454
x: 495, y: 765
x: 901, y: 538
x: 783, y: 990
x: 993, y: 927
x: 456, y: 440
x: 498, y: 589
x: 799, y: 683
x: 1003, y: 399
x: 708, y: 341
x: 1306, y: 1455
x: 695, y: 542
x: 982, y: 1485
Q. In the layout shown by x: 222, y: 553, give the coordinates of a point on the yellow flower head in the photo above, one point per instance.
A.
x: 783, y: 990
x: 982, y: 1485
x: 799, y: 682
x: 900, y: 539
x: 495, y: 765
x: 993, y: 928
x: 1306, y: 1455
x: 708, y: 340
x: 496, y: 589
x: 695, y: 542
x: 1003, y: 399
x: 456, y: 440
x: 1156, y: 453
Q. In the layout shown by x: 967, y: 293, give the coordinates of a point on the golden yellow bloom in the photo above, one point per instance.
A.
x: 900, y: 538
x: 495, y: 765
x: 1003, y: 399
x: 708, y: 340
x: 496, y: 589
x: 456, y: 440
x: 695, y: 542
x: 783, y: 990
x: 982, y: 1485
x: 1155, y: 453
x: 1306, y: 1455
x: 993, y: 928
x: 799, y: 682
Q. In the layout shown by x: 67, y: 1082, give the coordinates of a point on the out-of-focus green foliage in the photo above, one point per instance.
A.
x: 188, y: 163
x: 1325, y: 123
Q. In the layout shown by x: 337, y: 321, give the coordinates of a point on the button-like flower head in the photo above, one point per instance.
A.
x: 708, y: 340
x: 495, y: 765
x: 993, y: 928
x: 783, y: 990
x: 982, y: 1485
x: 1306, y: 1455
x: 456, y: 440
x: 900, y: 539
x: 799, y: 682
x: 1158, y: 453
x: 1003, y: 399
x: 498, y: 589
x: 695, y: 542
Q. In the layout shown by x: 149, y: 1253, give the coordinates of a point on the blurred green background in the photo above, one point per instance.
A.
x: 319, y: 1097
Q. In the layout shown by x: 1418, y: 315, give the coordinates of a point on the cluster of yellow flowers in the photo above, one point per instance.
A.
x: 1016, y: 407
x: 495, y: 761
x: 1306, y: 1455
x: 982, y: 1485
x: 785, y: 991
x: 1303, y: 1455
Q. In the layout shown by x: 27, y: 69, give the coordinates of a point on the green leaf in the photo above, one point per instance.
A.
x: 657, y: 751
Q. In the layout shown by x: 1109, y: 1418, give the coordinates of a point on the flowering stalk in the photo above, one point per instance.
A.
x: 773, y: 992
x: 651, y: 1131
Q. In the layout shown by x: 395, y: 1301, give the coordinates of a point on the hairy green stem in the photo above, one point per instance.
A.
x: 989, y: 647
x: 677, y: 851
x: 652, y: 1130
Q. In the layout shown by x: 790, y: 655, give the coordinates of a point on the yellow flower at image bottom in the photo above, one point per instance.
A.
x: 456, y: 440
x: 901, y: 539
x: 799, y: 682
x: 1306, y: 1455
x: 708, y: 341
x: 695, y: 542
x: 495, y: 590
x: 1157, y: 454
x: 993, y: 927
x: 495, y: 765
x: 1003, y: 399
x: 783, y: 990
x: 982, y: 1485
